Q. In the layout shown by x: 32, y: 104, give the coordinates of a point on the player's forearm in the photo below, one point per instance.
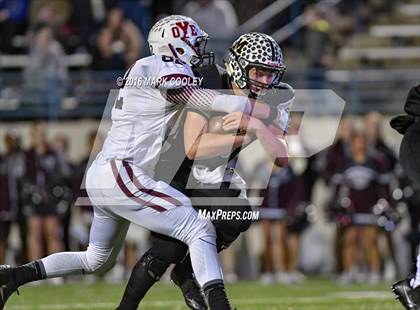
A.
x: 210, y: 145
x: 275, y: 147
x: 208, y: 100
x: 260, y: 110
x: 263, y: 111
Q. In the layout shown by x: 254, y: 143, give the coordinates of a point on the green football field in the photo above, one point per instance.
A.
x: 315, y: 294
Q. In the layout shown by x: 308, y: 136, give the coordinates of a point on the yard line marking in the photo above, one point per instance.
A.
x: 362, y: 295
x: 244, y: 302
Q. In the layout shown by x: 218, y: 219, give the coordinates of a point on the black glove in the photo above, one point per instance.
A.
x: 412, y: 107
x: 412, y: 104
x: 401, y: 123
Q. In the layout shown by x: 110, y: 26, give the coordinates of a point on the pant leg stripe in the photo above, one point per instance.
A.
x: 149, y: 191
x: 129, y: 194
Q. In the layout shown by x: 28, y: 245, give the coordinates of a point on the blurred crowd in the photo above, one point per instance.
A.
x: 73, y: 51
x: 367, y: 197
x: 113, y: 32
x: 38, y: 188
x: 118, y: 28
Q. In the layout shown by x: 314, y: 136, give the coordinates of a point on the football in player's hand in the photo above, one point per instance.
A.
x: 216, y: 126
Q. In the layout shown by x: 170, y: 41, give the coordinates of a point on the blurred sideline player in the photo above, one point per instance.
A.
x: 208, y: 153
x: 330, y: 161
x: 120, y: 181
x: 373, y: 121
x: 360, y: 187
x: 283, y: 212
x: 408, y: 290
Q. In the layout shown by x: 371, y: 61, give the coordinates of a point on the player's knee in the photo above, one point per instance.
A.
x: 203, y: 230
x: 193, y: 227
x: 208, y: 233
x: 154, y: 266
x: 97, y: 260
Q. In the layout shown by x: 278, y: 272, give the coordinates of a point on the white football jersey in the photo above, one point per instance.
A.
x: 141, y: 115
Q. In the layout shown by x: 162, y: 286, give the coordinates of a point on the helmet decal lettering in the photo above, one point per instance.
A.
x: 178, y: 35
x: 193, y: 30
x: 184, y: 27
x: 240, y: 46
x: 175, y: 32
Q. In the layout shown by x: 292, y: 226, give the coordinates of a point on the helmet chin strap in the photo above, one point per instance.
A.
x: 263, y: 91
x: 252, y: 95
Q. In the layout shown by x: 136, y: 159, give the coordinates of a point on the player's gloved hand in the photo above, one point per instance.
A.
x: 401, y: 123
x: 412, y: 107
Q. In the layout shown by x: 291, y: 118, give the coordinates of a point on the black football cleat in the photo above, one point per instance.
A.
x: 7, y: 285
x: 409, y: 297
x: 193, y: 296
